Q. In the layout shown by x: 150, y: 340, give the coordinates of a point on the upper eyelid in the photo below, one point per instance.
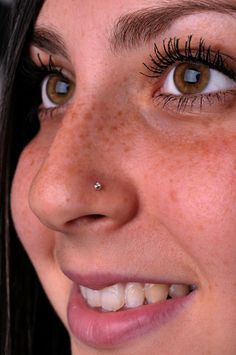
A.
x: 173, y: 52
x: 56, y: 66
x: 59, y: 59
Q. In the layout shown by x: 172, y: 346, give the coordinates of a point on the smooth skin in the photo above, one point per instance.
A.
x: 168, y: 202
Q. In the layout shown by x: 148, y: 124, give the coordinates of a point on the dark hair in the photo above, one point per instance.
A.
x: 4, y: 13
x: 28, y: 324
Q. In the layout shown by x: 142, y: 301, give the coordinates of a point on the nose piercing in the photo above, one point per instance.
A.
x: 97, y: 186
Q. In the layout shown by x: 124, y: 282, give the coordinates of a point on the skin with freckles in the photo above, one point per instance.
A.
x: 168, y: 204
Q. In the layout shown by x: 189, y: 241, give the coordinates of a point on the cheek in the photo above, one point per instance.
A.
x: 36, y: 238
x: 201, y: 204
x: 38, y: 241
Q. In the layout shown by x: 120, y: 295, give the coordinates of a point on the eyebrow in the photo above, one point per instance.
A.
x: 49, y: 40
x: 145, y: 24
x: 134, y: 28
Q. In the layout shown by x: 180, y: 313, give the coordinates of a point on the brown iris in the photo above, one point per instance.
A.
x: 59, y: 89
x: 191, y: 78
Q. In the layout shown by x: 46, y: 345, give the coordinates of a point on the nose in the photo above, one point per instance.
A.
x: 81, y: 179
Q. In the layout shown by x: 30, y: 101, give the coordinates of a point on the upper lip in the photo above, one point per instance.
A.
x: 98, y: 281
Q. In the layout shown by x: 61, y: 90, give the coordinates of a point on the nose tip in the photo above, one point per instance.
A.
x: 60, y: 202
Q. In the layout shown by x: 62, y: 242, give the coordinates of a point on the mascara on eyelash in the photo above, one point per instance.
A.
x: 34, y: 74
x: 172, y: 54
x: 182, y: 102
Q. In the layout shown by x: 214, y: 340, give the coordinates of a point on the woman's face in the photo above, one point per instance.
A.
x: 140, y: 97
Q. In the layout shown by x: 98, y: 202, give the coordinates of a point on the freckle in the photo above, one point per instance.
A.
x: 88, y: 116
x: 106, y: 140
x: 225, y: 262
x: 119, y: 113
x: 206, y: 123
x: 100, y: 128
x: 114, y: 128
x: 200, y: 227
x: 82, y: 136
x: 89, y: 146
x: 173, y: 196
x: 74, y: 115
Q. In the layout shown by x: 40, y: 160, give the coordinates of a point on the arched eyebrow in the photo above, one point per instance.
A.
x: 136, y: 28
x: 49, y: 40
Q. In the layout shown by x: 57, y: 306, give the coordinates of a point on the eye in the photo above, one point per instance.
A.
x: 56, y: 90
x: 192, y: 79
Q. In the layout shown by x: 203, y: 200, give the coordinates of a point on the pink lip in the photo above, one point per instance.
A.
x: 98, y: 281
x: 105, y: 330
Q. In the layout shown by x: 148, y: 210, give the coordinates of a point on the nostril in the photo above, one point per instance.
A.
x: 86, y: 220
x: 96, y: 216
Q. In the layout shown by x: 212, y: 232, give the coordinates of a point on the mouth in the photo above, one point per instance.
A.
x: 112, y: 315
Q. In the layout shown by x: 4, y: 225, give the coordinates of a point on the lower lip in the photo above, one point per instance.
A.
x: 109, y: 329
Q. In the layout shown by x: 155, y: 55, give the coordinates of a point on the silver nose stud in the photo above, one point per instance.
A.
x: 97, y: 186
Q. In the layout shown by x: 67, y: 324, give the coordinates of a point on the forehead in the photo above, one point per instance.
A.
x: 84, y: 24
x: 96, y: 18
x: 81, y: 14
x: 89, y: 26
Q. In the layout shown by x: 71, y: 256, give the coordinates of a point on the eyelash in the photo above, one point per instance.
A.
x: 172, y: 54
x: 34, y: 75
x: 160, y: 63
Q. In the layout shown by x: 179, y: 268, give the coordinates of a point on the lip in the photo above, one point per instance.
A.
x: 110, y: 329
x: 97, y: 281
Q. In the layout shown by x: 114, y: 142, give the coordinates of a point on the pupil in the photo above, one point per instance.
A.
x: 62, y: 88
x: 192, y: 76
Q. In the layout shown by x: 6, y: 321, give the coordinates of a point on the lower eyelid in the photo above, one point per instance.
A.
x: 210, y: 104
x: 49, y: 113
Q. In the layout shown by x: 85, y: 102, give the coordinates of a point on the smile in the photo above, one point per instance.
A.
x: 112, y: 313
x: 132, y: 294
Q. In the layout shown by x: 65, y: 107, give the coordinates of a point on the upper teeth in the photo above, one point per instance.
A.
x: 132, y: 294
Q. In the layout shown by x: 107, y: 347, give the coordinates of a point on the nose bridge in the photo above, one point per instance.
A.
x: 80, y: 155
x: 73, y: 153
x: 85, y: 138
x: 73, y: 143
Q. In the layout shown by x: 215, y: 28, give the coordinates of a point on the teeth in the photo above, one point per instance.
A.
x: 132, y: 295
x: 178, y: 291
x: 94, y: 298
x: 83, y: 290
x: 156, y: 293
x: 112, y: 298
